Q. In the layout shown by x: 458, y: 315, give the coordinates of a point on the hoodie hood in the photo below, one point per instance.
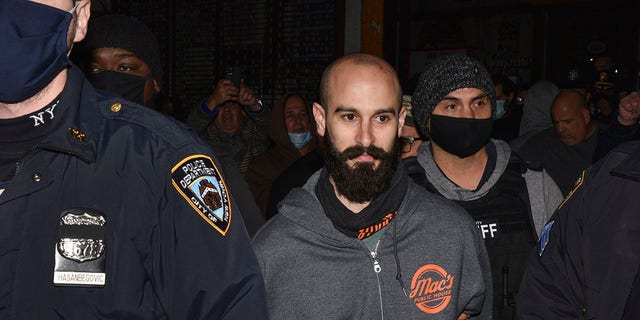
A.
x: 449, y: 189
x: 536, y: 112
x: 277, y: 129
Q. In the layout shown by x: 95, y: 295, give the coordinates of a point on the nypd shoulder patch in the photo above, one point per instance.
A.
x: 199, y: 181
x: 544, y: 237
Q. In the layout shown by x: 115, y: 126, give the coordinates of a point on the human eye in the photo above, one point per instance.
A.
x: 349, y: 117
x: 94, y: 68
x: 383, y: 118
x: 481, y: 102
x: 125, y: 68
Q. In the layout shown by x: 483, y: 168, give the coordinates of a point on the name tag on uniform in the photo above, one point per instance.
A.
x: 80, y: 252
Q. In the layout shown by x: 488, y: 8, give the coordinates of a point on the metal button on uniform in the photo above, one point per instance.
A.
x: 116, y: 107
x: 36, y: 177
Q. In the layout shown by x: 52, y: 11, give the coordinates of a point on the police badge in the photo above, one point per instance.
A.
x: 80, y: 249
x: 199, y: 181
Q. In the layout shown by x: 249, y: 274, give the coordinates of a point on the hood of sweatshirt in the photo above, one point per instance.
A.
x: 277, y: 129
x: 452, y: 191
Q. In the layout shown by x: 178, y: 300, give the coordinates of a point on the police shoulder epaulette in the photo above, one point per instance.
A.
x: 172, y: 131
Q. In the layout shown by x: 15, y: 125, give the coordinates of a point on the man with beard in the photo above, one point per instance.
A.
x: 454, y: 104
x: 101, y: 214
x: 340, y: 245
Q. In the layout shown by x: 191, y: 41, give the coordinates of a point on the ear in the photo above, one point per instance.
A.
x: 83, y: 11
x: 587, y: 115
x: 320, y: 116
x: 510, y: 98
x: 401, y: 118
x: 156, y: 86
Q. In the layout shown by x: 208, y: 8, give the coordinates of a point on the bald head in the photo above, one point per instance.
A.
x: 570, y: 99
x: 571, y: 117
x: 347, y: 64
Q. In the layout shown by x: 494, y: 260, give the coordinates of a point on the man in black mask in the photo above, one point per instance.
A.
x: 124, y: 59
x: 108, y: 209
x: 453, y: 105
x: 121, y: 55
x: 340, y: 244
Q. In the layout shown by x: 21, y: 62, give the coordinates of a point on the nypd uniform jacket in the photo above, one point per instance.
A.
x: 589, y: 251
x: 121, y: 214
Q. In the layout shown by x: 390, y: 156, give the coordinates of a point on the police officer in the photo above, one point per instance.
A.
x: 587, y: 262
x: 107, y: 209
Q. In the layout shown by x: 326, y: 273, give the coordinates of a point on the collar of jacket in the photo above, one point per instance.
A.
x: 448, y: 188
x: 77, y: 131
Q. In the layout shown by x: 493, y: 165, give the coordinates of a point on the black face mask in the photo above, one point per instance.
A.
x: 128, y: 86
x: 460, y: 136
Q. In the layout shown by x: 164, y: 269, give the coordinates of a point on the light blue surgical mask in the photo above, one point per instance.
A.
x: 500, y: 110
x: 299, y: 140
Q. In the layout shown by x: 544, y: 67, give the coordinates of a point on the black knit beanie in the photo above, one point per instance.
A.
x: 120, y: 31
x: 441, y: 77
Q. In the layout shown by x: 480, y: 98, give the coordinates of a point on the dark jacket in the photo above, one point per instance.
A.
x: 589, y: 251
x: 266, y: 167
x: 113, y: 191
x: 294, y: 176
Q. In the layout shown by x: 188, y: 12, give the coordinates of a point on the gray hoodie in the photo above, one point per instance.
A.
x: 313, y: 271
x: 544, y: 194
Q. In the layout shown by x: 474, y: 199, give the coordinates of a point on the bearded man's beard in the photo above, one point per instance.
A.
x: 360, y: 183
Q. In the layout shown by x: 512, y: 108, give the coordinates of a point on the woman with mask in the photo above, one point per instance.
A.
x: 292, y: 136
x: 121, y: 56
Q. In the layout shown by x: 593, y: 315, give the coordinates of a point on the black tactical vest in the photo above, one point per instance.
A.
x: 503, y: 217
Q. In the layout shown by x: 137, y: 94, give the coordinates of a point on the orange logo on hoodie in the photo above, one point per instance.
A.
x: 431, y: 288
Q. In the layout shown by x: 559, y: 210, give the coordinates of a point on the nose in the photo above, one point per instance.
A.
x: 467, y: 112
x: 365, y: 135
x: 298, y: 119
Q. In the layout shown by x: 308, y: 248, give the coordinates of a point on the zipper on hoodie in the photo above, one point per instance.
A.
x: 377, y: 268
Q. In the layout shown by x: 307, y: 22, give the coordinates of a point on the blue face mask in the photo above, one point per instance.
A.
x: 500, y: 110
x: 34, y: 47
x: 299, y: 140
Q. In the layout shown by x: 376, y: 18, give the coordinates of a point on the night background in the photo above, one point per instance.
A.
x: 283, y: 45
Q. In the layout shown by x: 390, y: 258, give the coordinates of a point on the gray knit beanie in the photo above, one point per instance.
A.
x: 120, y: 31
x: 444, y: 75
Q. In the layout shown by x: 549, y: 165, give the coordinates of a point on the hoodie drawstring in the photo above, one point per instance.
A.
x: 395, y: 254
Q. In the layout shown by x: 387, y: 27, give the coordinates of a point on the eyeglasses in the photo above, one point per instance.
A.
x: 407, y: 143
